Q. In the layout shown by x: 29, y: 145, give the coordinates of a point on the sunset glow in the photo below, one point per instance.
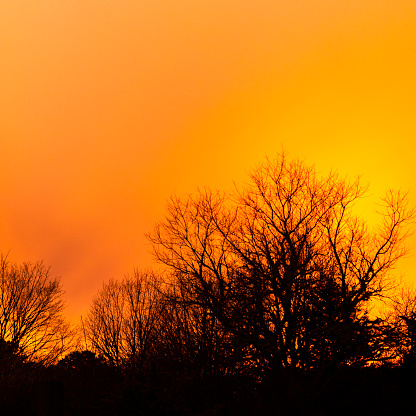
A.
x: 109, y: 107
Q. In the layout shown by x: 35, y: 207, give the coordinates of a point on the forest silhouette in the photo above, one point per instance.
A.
x: 274, y: 299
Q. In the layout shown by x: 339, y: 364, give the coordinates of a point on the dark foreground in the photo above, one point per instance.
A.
x: 82, y: 384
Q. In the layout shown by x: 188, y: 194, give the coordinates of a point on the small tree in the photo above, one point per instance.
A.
x: 402, y: 316
x: 31, y: 309
x: 122, y: 322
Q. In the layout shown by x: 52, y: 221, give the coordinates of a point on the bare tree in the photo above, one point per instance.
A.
x: 122, y: 322
x: 31, y: 309
x: 285, y: 266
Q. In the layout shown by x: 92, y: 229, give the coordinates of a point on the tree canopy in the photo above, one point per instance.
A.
x: 286, y: 266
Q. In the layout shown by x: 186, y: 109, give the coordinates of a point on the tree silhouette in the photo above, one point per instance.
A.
x: 192, y: 340
x: 402, y: 316
x: 285, y: 266
x: 31, y: 309
x: 122, y: 322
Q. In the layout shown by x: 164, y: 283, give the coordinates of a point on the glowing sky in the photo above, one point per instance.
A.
x: 107, y: 107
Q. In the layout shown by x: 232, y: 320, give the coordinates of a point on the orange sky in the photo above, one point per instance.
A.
x: 109, y: 106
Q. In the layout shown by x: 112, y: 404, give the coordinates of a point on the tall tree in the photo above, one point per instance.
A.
x: 285, y: 266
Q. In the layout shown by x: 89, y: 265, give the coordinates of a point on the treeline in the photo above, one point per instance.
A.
x: 274, y: 299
